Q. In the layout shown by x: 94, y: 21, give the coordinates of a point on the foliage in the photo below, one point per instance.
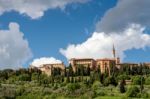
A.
x: 147, y: 81
x: 84, y: 84
x: 122, y: 86
x: 137, y: 80
x: 123, y: 76
x: 35, y: 76
x: 133, y: 91
x: 24, y: 77
x: 110, y: 80
x: 96, y: 85
x: 73, y: 86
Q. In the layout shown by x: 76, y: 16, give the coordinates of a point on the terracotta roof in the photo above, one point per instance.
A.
x: 128, y: 63
x: 106, y: 59
x: 81, y: 59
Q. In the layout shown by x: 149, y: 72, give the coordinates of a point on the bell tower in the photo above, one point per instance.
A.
x: 114, y: 51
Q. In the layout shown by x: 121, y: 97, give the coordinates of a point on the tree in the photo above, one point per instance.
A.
x: 96, y: 85
x: 65, y: 72
x: 56, y: 71
x: 24, y: 77
x: 68, y: 78
x: 133, y: 91
x: 110, y: 80
x: 72, y: 79
x: 88, y: 70
x: 122, y: 86
x: 137, y: 80
x: 113, y: 81
x: 34, y: 77
x: 73, y: 86
x: 70, y: 70
x: 147, y: 81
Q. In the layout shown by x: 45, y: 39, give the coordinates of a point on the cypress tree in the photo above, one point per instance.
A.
x: 122, y: 86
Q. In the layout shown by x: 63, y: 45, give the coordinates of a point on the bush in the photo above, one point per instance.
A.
x: 100, y: 93
x: 147, y: 81
x: 34, y: 76
x: 96, y: 85
x: 124, y: 76
x: 133, y: 92
x: 110, y: 80
x: 90, y: 94
x: 20, y: 90
x: 8, y: 93
x: 106, y: 81
x: 137, y: 80
x: 24, y: 77
x: 73, y: 86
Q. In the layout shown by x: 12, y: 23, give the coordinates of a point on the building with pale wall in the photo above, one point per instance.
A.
x: 102, y: 64
x: 49, y: 68
x: 131, y: 65
x: 147, y: 64
x: 82, y: 61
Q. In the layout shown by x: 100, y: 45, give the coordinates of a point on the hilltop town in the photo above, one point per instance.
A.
x: 104, y: 64
x: 84, y: 78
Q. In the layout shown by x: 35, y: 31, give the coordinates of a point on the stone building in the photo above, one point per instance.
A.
x: 49, y: 68
x: 82, y: 61
x: 104, y: 64
x: 147, y: 64
x: 131, y: 65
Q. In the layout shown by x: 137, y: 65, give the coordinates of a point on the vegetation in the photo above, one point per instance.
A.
x: 83, y: 84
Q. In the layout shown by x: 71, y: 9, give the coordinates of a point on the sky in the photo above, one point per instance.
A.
x: 53, y: 31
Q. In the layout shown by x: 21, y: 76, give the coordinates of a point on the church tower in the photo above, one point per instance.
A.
x: 114, y: 51
x: 114, y: 55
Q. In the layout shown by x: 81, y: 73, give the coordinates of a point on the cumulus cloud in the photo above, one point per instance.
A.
x: 14, y: 49
x: 34, y: 8
x: 44, y: 60
x: 100, y: 44
x: 124, y: 25
x: 124, y: 13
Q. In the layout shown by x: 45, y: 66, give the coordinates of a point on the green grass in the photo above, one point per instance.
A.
x: 109, y: 97
x: 114, y: 97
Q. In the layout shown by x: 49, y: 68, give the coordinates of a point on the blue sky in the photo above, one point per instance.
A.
x: 58, y: 28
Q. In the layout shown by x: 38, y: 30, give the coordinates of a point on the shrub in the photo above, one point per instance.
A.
x: 34, y: 76
x: 124, y: 76
x: 113, y: 81
x: 85, y: 97
x: 110, y: 80
x: 106, y: 81
x: 24, y: 77
x: 137, y: 80
x: 96, y: 85
x: 8, y: 93
x: 20, y: 90
x: 73, y: 86
x: 91, y: 94
x: 147, y: 81
x: 133, y: 92
x: 100, y: 93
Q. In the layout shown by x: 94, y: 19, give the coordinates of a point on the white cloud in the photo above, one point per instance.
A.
x: 125, y: 12
x: 44, y: 60
x: 34, y: 8
x: 100, y: 44
x: 14, y: 49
